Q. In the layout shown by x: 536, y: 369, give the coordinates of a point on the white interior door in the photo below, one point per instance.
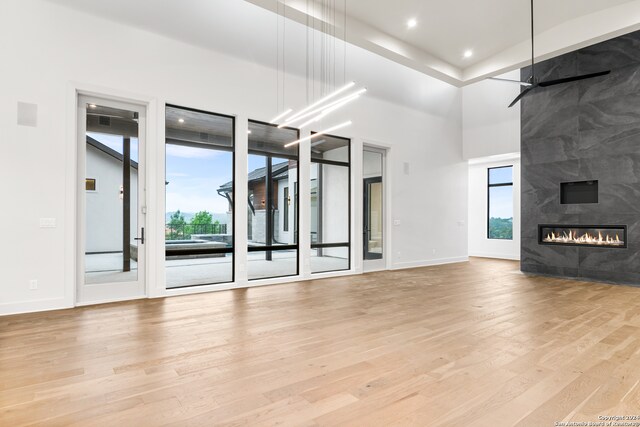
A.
x: 111, y: 200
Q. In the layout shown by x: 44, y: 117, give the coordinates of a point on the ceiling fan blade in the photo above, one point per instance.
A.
x: 573, y: 79
x: 510, y: 81
x: 522, y: 95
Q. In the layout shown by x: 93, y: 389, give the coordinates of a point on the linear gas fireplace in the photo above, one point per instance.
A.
x: 609, y: 236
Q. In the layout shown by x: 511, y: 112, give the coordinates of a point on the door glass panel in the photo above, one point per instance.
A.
x: 373, y: 233
x: 111, y: 195
x: 375, y: 218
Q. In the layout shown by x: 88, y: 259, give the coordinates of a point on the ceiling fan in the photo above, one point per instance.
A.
x: 532, y: 83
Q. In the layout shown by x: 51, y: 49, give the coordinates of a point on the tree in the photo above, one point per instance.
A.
x: 201, y: 223
x: 500, y: 228
x: 176, y: 225
x: 202, y: 218
x: 177, y: 219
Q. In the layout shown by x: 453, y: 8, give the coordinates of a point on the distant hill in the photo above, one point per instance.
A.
x: 188, y: 216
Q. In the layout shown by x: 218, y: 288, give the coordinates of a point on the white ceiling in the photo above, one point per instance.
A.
x: 496, y: 30
x: 447, y: 28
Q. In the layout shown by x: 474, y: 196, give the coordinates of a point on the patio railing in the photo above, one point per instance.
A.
x: 185, y: 231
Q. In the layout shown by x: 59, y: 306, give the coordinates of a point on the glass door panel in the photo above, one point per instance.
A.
x: 373, y: 225
x: 373, y: 209
x: 111, y: 195
x: 112, y: 222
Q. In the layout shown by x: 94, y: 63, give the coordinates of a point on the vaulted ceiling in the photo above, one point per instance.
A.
x: 497, y: 31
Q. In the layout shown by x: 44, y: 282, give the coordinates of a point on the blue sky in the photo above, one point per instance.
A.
x: 501, y: 205
x: 194, y: 176
x: 115, y: 143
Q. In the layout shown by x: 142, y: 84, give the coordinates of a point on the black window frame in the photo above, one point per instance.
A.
x: 489, y: 187
x: 271, y: 247
x: 232, y: 150
x: 346, y: 244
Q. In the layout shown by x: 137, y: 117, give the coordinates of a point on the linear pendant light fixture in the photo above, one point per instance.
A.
x: 332, y: 108
x: 280, y: 116
x: 331, y: 129
x: 324, y: 108
x: 323, y: 17
x: 325, y: 99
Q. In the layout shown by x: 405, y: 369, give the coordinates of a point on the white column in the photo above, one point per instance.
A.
x: 304, y: 187
x: 357, y: 211
x: 240, y: 199
x: 155, y: 199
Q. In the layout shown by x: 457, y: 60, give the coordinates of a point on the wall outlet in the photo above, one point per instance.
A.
x: 33, y: 284
x: 47, y: 222
x: 397, y: 222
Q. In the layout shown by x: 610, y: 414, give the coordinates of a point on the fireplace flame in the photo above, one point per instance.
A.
x: 571, y: 237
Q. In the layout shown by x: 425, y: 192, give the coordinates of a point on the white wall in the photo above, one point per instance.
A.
x: 53, y: 49
x: 479, y: 244
x: 491, y: 137
x: 489, y: 126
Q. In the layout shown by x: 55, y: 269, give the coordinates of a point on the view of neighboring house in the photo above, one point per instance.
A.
x: 104, y: 198
x: 284, y: 207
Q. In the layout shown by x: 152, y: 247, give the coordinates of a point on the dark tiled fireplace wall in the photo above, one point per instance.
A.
x: 589, y: 130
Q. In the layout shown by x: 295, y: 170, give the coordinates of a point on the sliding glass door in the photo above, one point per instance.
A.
x: 272, y: 202
x: 199, y: 197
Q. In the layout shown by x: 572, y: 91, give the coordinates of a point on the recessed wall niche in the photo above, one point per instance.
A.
x: 579, y: 192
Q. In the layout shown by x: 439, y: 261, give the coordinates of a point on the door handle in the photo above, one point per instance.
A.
x: 141, y: 239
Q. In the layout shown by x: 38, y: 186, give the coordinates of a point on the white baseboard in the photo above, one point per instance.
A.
x: 33, y: 306
x: 495, y: 255
x: 428, y: 263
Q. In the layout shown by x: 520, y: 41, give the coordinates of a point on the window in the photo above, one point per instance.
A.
x: 199, y: 197
x: 273, y: 168
x: 500, y: 203
x: 330, y: 204
x: 90, y: 184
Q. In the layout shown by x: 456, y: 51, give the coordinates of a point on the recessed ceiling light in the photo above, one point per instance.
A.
x: 468, y: 53
x: 180, y: 120
x: 248, y: 131
x: 412, y: 23
x: 92, y: 105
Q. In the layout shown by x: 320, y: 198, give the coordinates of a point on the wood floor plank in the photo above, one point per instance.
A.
x: 475, y: 343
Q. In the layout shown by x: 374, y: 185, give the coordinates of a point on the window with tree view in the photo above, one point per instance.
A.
x: 500, y: 203
x: 199, y: 197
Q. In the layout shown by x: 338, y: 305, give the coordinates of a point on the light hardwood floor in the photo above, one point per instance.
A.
x: 465, y: 344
